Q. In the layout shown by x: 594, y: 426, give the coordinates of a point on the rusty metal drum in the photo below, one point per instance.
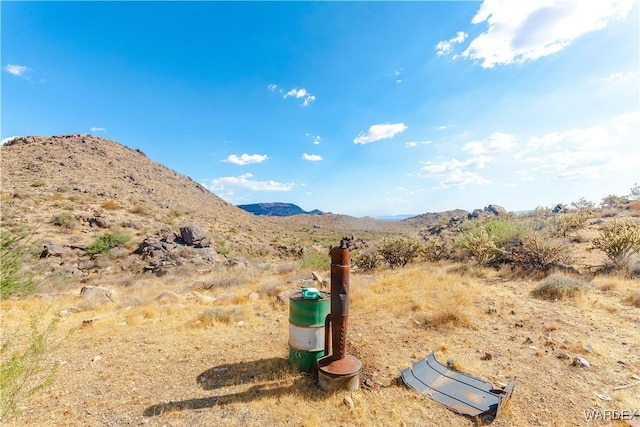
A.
x: 306, y: 329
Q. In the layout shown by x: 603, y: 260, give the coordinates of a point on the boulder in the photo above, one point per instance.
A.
x: 193, y: 235
x: 497, y: 210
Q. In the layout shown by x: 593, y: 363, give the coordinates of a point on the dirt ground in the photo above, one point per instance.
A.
x: 164, y: 354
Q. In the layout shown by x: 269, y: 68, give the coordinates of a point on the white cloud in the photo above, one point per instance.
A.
x: 312, y: 157
x: 444, y: 127
x: 245, y: 159
x: 97, y: 129
x: 272, y: 87
x: 455, y: 173
x: 396, y: 74
x: 228, y: 183
x: 446, y: 46
x: 587, y: 152
x: 496, y: 142
x: 17, y: 70
x: 520, y: 31
x: 301, y: 93
x: 620, y: 76
x: 412, y: 144
x: 378, y: 132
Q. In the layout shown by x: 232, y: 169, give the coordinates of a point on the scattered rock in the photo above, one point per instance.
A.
x: 528, y: 340
x: 97, y: 294
x: 491, y: 309
x: 487, y: 356
x: 96, y: 358
x: 253, y: 296
x: 51, y: 249
x: 581, y: 362
x: 238, y: 262
x: 349, y: 402
x: 563, y: 355
x: 68, y: 311
x: 519, y: 325
x: 603, y: 396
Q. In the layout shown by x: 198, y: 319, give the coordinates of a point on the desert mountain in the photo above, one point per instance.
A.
x: 277, y: 209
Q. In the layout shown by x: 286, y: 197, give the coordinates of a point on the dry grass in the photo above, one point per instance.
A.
x: 169, y: 355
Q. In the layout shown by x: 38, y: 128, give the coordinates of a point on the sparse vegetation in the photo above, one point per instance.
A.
x: 399, y: 251
x: 479, y: 245
x: 367, y: 259
x: 206, y: 318
x: 436, y: 248
x: 559, y: 287
x: 560, y: 225
x: 14, y: 251
x: 537, y: 255
x: 106, y: 242
x: 37, y: 184
x: 111, y: 205
x: 64, y: 220
x: 315, y: 260
x: 28, y: 371
x: 613, y: 201
x: 583, y: 204
x: 619, y: 240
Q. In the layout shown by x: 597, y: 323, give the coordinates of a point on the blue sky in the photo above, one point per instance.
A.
x: 360, y: 108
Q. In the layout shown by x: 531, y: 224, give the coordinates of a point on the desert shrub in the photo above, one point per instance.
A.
x: 139, y: 209
x: 613, y: 201
x: 64, y: 220
x: 477, y: 243
x: 619, y: 240
x: 583, y: 204
x: 24, y: 372
x: 633, y: 299
x: 537, y: 254
x: 220, y: 314
x: 559, y: 225
x: 111, y: 205
x: 73, y: 198
x: 14, y: 249
x: 398, y: 251
x: 106, y: 242
x: 503, y: 230
x: 36, y: 184
x: 57, y: 197
x: 635, y: 192
x: 436, y: 248
x: 367, y: 259
x: 559, y: 287
x: 315, y: 260
x: 174, y: 213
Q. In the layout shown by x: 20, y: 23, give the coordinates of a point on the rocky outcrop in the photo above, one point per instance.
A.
x: 170, y: 250
x: 497, y: 210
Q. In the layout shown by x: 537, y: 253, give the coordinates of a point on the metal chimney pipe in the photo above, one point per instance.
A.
x: 339, y: 299
x: 338, y: 370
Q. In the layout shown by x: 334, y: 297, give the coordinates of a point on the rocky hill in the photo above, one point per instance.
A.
x: 277, y: 209
x: 87, y: 178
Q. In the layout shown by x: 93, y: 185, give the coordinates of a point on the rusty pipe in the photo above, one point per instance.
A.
x: 339, y: 300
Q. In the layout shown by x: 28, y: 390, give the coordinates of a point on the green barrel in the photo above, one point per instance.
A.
x: 306, y: 329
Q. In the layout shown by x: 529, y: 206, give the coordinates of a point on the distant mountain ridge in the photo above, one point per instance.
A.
x: 277, y: 209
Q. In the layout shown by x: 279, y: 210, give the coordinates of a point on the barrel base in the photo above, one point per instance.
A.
x: 341, y: 374
x: 305, y: 361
